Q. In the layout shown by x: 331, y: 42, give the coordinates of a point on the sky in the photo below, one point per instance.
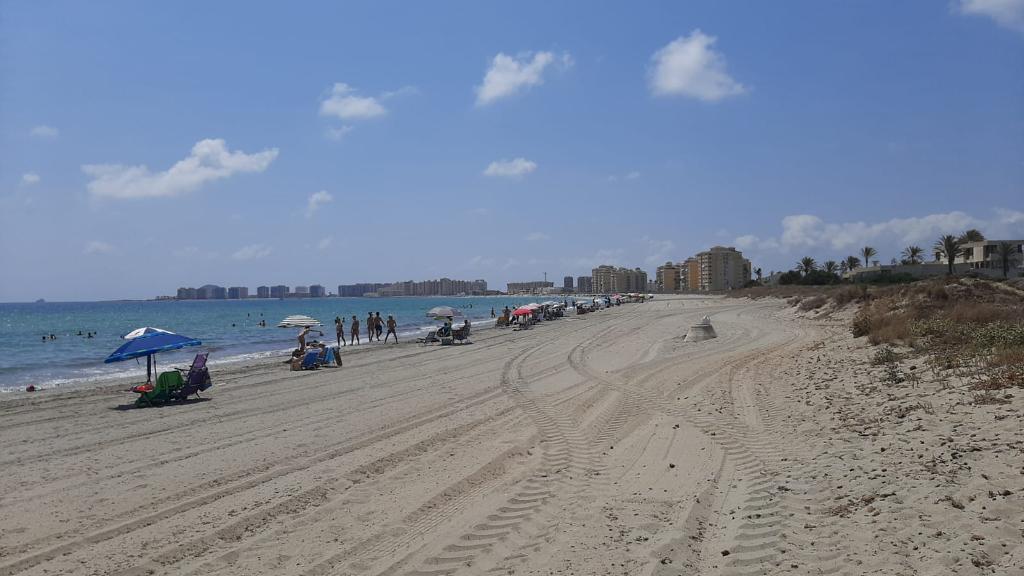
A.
x: 147, y: 146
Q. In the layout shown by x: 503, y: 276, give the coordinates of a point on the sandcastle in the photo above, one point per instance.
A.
x: 701, y: 331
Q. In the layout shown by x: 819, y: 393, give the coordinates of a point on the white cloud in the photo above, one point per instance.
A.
x: 97, y: 247
x: 209, y: 160
x: 806, y: 232
x: 345, y: 104
x: 29, y: 178
x: 44, y: 131
x: 688, y: 66
x: 1006, y: 13
x: 536, y: 236
x: 337, y: 133
x: 252, y: 252
x: 633, y: 175
x: 325, y: 242
x: 508, y: 74
x: 515, y: 168
x: 480, y: 212
x: 614, y: 257
x: 316, y: 200
x: 403, y: 91
x: 658, y: 251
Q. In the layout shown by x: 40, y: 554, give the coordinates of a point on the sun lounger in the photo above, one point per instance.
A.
x: 309, y: 361
x: 154, y: 394
x: 429, y: 338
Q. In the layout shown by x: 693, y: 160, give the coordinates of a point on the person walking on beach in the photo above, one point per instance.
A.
x: 378, y: 325
x: 391, y: 329
x: 354, y: 327
x: 339, y: 328
x: 371, y: 326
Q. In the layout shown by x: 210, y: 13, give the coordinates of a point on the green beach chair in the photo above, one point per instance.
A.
x: 153, y: 394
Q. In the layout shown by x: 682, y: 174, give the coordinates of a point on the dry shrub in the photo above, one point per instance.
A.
x: 846, y: 294
x: 977, y: 312
x: 813, y: 303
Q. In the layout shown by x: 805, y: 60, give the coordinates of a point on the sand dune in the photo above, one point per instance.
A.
x: 602, y: 444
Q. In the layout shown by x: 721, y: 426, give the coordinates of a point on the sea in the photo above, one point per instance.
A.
x: 230, y: 331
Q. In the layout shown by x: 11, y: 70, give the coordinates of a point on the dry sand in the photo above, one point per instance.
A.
x: 602, y: 444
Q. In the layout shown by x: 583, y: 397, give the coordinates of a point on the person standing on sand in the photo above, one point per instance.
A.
x: 371, y: 327
x: 354, y: 327
x: 339, y: 328
x: 492, y: 311
x: 302, y: 337
x: 391, y: 329
x: 378, y: 325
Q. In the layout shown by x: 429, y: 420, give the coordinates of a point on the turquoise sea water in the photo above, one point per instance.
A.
x: 229, y: 330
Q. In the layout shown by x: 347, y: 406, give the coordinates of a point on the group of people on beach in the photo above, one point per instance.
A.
x: 375, y: 326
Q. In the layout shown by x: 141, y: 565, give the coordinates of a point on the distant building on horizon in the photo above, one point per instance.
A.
x: 441, y: 287
x: 722, y: 268
x: 667, y: 278
x: 356, y: 290
x: 567, y: 284
x: 211, y: 292
x: 535, y: 287
x: 317, y: 291
x: 612, y: 280
x: 279, y: 291
x: 585, y: 284
x: 238, y: 293
x: 263, y: 292
x: 186, y: 294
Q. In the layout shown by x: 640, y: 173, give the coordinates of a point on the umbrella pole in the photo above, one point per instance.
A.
x: 149, y: 363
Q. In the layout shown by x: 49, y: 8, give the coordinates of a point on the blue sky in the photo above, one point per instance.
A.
x: 147, y: 146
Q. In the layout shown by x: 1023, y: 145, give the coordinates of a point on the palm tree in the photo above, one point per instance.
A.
x: 852, y: 262
x: 806, y: 265
x: 948, y: 246
x: 757, y: 271
x: 868, y: 252
x: 972, y: 235
x: 830, y: 266
x: 843, y: 267
x: 1005, y: 254
x: 912, y: 254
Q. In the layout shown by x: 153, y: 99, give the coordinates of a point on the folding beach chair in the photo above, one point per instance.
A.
x: 167, y: 383
x: 196, y: 379
x: 429, y: 338
x: 461, y: 335
x: 329, y: 357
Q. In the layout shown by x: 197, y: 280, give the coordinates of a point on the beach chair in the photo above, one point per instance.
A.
x: 196, y: 379
x: 167, y: 383
x: 328, y: 358
x: 461, y: 335
x: 309, y: 361
x: 429, y: 338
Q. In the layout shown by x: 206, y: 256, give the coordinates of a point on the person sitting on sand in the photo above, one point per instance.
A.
x: 445, y: 331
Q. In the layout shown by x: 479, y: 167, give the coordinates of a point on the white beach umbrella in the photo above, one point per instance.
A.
x: 439, y: 312
x: 143, y: 332
x: 299, y: 321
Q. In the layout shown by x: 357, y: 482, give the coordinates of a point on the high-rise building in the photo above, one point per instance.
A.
x: 667, y: 278
x: 211, y: 292
x: 263, y: 292
x: 691, y: 274
x: 279, y: 291
x: 301, y: 292
x: 585, y: 284
x: 187, y: 294
x: 317, y: 291
x: 567, y: 284
x: 722, y: 268
x: 612, y: 280
x: 534, y: 287
x: 356, y: 290
x: 238, y: 292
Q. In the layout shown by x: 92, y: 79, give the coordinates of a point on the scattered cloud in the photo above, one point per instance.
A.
x: 337, y: 133
x: 29, y: 178
x: 316, y: 200
x: 688, y: 66
x: 537, y: 236
x: 252, y: 252
x: 1006, y: 13
x: 480, y: 262
x: 325, y: 242
x: 515, y: 168
x: 633, y: 175
x: 806, y: 232
x: 508, y: 75
x: 403, y: 91
x: 344, y: 103
x: 658, y: 251
x: 614, y: 257
x: 480, y: 212
x: 44, y: 131
x: 209, y: 160
x: 97, y: 247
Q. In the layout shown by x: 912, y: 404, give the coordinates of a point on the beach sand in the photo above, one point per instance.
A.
x: 600, y: 444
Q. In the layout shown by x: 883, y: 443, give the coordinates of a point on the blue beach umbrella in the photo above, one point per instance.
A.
x: 147, y: 342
